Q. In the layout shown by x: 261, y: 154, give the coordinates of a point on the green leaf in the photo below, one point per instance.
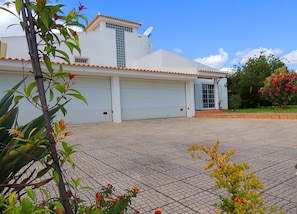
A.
x: 12, y: 198
x: 79, y: 96
x: 36, y: 99
x: 29, y: 88
x: 18, y: 5
x: 45, y: 19
x: 56, y: 176
x: 31, y: 194
x: 64, y: 56
x: 64, y: 59
x: 45, y: 193
x: 86, y: 20
x: 60, y: 87
x: 7, y: 10
x: 76, y: 181
x: 52, y: 95
x: 61, y: 69
x: 42, y: 172
x: 63, y: 109
x: 27, y: 206
x: 70, y: 45
x: 17, y: 98
x: 48, y: 63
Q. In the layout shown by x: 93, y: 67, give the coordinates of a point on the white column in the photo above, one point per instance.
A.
x: 190, y: 98
x: 116, y: 99
x: 216, y: 93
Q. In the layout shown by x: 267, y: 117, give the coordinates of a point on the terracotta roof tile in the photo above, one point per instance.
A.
x: 109, y: 17
x: 214, y: 71
x: 107, y: 67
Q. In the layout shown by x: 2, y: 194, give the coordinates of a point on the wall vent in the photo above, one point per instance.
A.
x: 3, y: 49
x: 81, y: 60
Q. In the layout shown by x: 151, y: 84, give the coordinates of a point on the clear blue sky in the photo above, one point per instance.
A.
x: 219, y: 33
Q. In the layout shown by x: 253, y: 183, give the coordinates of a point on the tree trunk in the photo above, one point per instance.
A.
x: 34, y: 56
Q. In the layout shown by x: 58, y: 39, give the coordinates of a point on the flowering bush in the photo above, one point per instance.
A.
x: 105, y: 201
x: 280, y: 87
x: 242, y: 195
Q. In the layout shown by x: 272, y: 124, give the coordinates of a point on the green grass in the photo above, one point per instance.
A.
x: 268, y: 109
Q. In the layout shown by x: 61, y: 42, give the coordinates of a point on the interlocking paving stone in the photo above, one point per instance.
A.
x: 152, y: 154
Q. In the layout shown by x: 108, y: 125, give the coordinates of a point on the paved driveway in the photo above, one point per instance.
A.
x: 152, y: 154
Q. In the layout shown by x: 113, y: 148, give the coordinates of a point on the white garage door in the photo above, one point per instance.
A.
x: 98, y: 94
x: 95, y: 90
x: 144, y: 99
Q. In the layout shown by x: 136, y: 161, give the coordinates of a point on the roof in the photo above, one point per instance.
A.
x: 106, y: 67
x: 96, y: 22
x: 214, y: 71
x: 163, y: 58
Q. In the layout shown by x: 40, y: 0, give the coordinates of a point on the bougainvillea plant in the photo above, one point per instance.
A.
x: 280, y: 88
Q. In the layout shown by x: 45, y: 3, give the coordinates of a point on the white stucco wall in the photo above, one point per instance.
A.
x: 137, y: 46
x: 223, y: 93
x: 98, y: 46
x: 16, y: 47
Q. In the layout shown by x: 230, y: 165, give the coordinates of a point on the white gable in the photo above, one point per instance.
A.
x: 165, y: 60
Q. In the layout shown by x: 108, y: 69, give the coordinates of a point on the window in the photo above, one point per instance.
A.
x: 208, y: 96
x: 120, y: 42
x: 81, y: 60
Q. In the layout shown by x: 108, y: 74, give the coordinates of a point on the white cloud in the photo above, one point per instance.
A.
x: 228, y: 69
x: 244, y: 55
x: 290, y: 58
x: 9, y: 24
x: 216, y: 61
x: 178, y: 50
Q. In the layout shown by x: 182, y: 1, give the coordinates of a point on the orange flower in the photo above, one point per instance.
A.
x: 136, y: 189
x: 62, y: 125
x: 59, y: 210
x: 17, y: 132
x: 242, y: 201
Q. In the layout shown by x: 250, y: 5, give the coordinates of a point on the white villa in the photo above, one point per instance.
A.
x: 122, y: 77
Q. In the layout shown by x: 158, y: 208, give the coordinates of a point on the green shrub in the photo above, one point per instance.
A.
x: 234, y: 101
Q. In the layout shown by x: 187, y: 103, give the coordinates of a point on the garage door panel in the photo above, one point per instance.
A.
x: 96, y: 90
x: 141, y: 99
x: 98, y: 95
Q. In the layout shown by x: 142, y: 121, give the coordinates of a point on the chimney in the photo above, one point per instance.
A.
x: 3, y: 49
